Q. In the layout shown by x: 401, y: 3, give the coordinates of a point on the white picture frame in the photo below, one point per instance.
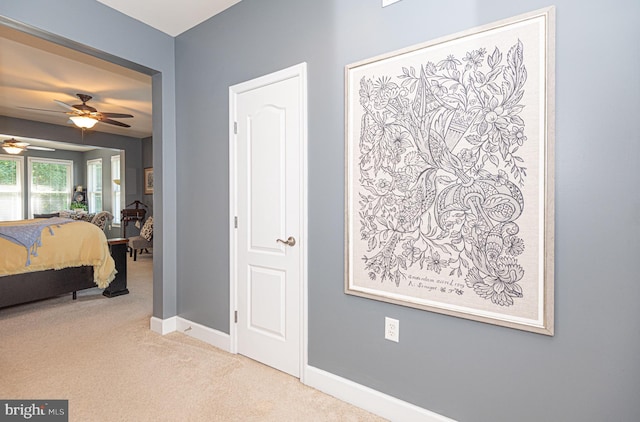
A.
x: 449, y: 174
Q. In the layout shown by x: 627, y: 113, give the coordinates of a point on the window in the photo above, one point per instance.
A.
x: 50, y: 185
x: 115, y: 188
x: 11, y: 196
x: 94, y: 184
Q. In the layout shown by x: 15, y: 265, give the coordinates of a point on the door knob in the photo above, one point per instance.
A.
x: 290, y: 241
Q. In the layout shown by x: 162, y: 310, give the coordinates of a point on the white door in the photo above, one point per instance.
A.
x: 269, y: 119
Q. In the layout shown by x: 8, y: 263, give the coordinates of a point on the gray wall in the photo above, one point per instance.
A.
x: 124, y: 40
x: 147, y: 161
x: 463, y: 369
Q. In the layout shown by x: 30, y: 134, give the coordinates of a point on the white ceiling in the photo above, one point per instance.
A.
x: 170, y: 16
x: 35, y: 72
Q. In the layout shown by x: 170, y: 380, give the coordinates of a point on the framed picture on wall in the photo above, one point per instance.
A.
x: 148, y: 181
x: 449, y: 175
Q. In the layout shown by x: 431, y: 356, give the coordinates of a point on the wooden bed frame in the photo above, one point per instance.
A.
x: 28, y: 287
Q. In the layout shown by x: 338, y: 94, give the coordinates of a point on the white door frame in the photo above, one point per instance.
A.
x: 300, y: 71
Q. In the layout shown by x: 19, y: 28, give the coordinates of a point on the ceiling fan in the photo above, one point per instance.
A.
x: 13, y: 146
x: 84, y: 116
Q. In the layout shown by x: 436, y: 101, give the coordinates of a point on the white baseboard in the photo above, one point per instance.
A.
x: 163, y: 326
x: 356, y: 394
x: 369, y: 399
x: 208, y: 335
x: 193, y: 329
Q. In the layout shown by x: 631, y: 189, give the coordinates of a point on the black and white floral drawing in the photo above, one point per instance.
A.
x: 430, y: 204
x: 445, y: 170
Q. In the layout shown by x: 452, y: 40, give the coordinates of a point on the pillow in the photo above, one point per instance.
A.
x: 146, y: 231
x: 81, y: 216
x: 53, y: 214
x: 102, y: 218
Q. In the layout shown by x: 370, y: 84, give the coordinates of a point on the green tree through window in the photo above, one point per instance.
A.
x: 8, y: 172
x: 50, y: 185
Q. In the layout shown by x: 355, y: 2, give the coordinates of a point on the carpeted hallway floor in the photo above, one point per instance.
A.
x: 100, y: 355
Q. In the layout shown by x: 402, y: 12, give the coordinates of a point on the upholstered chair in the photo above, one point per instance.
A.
x: 142, y: 242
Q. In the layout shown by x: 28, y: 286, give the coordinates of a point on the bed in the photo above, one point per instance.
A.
x: 66, y: 256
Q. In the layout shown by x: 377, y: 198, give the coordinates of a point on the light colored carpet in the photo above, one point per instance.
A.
x: 100, y: 355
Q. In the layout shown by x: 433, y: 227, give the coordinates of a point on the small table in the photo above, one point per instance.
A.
x: 118, y: 286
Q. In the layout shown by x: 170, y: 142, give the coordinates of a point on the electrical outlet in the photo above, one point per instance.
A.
x: 392, y: 329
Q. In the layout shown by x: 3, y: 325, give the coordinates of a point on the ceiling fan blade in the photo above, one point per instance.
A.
x: 41, y: 109
x: 40, y: 148
x: 113, y: 122
x: 116, y: 115
x: 64, y: 105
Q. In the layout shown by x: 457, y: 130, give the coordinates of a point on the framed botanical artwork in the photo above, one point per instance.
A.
x: 449, y: 175
x: 148, y: 181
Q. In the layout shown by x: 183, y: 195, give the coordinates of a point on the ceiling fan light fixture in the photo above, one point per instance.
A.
x: 12, y: 149
x: 84, y: 122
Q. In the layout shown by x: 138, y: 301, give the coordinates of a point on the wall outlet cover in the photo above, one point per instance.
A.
x: 386, y: 3
x: 392, y: 329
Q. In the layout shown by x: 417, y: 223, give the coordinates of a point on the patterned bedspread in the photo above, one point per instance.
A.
x: 71, y: 244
